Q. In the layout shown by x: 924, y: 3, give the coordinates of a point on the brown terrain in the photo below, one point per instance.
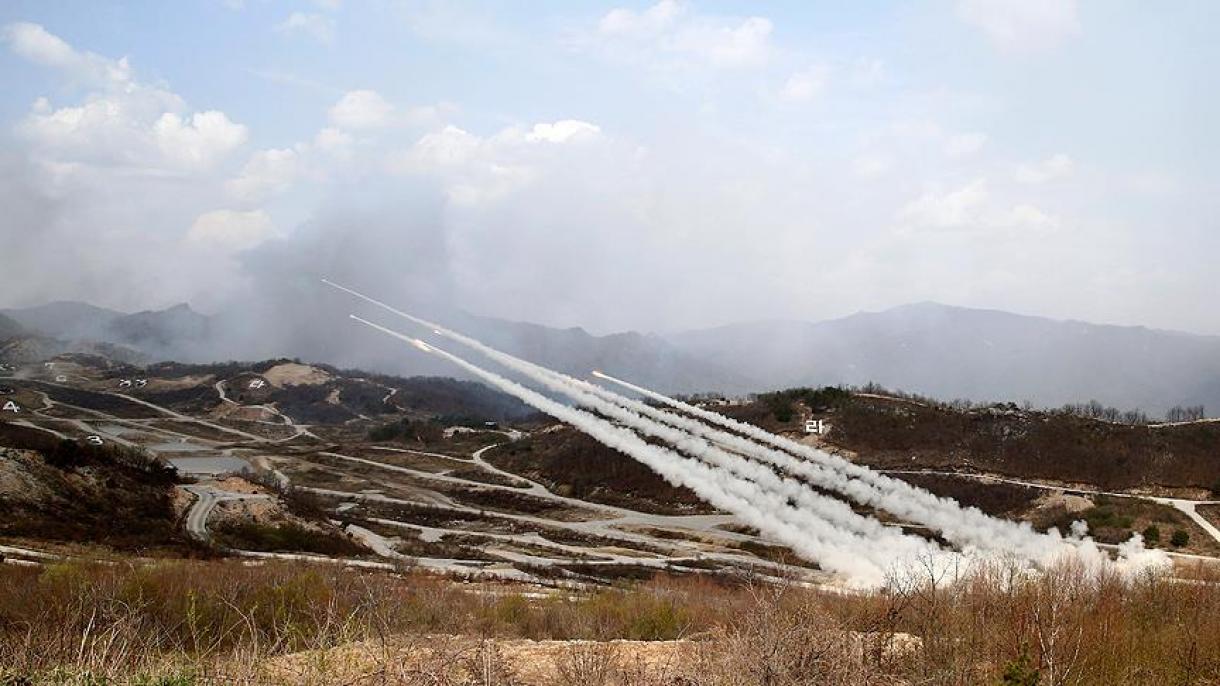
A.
x: 433, y: 531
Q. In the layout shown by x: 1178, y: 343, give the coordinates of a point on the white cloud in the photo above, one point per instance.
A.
x: 36, y: 44
x: 667, y: 32
x: 477, y: 170
x: 200, y: 141
x: 132, y: 131
x: 971, y: 209
x: 1054, y: 167
x: 266, y: 172
x: 333, y: 141
x: 953, y: 210
x: 622, y: 21
x: 427, y: 115
x: 123, y: 123
x: 746, y: 44
x: 913, y: 130
x: 871, y: 165
x: 1028, y: 218
x: 806, y: 85
x: 317, y: 26
x: 965, y: 144
x: 562, y: 131
x: 361, y: 109
x: 470, y: 25
x: 448, y: 148
x: 1022, y: 26
x: 231, y: 230
x: 453, y: 148
x: 866, y: 73
x: 548, y: 193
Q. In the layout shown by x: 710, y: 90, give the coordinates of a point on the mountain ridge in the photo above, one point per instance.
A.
x: 950, y: 351
x: 945, y: 351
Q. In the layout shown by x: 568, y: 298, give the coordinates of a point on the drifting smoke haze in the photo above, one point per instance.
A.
x: 661, y: 169
x: 715, y: 157
x: 718, y: 488
x: 751, y: 188
x: 820, y: 528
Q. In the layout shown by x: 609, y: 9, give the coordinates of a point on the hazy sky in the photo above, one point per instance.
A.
x: 649, y: 166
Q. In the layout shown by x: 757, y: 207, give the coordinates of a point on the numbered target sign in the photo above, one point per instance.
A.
x: 94, y: 439
x: 257, y: 384
x: 10, y: 406
x: 61, y: 379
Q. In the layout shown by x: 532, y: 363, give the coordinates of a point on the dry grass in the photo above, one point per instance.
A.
x: 207, y: 622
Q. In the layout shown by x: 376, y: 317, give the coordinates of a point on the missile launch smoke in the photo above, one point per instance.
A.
x: 967, y: 528
x: 964, y: 526
x: 876, y: 541
x: 873, y: 540
x: 818, y: 543
x: 743, y: 459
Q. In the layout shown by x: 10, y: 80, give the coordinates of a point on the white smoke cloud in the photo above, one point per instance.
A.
x: 230, y: 230
x: 818, y: 542
x: 967, y: 527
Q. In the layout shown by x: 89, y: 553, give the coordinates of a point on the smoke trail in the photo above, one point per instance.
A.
x: 961, y: 525
x: 718, y: 488
x: 885, y: 545
x: 966, y: 527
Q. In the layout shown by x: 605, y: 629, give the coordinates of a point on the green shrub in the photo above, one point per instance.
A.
x: 1152, y: 534
x: 1179, y: 538
x: 1020, y: 672
x: 286, y: 537
x: 425, y: 432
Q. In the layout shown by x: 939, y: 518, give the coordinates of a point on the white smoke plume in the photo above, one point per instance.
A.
x: 965, y: 526
x: 718, y: 488
x: 968, y: 528
x: 886, y: 546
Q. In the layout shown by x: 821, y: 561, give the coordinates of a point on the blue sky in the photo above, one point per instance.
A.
x: 622, y: 165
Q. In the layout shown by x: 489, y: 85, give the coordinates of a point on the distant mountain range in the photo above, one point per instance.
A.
x: 10, y: 327
x: 956, y: 352
x: 937, y: 350
x: 179, y: 333
x: 159, y: 334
